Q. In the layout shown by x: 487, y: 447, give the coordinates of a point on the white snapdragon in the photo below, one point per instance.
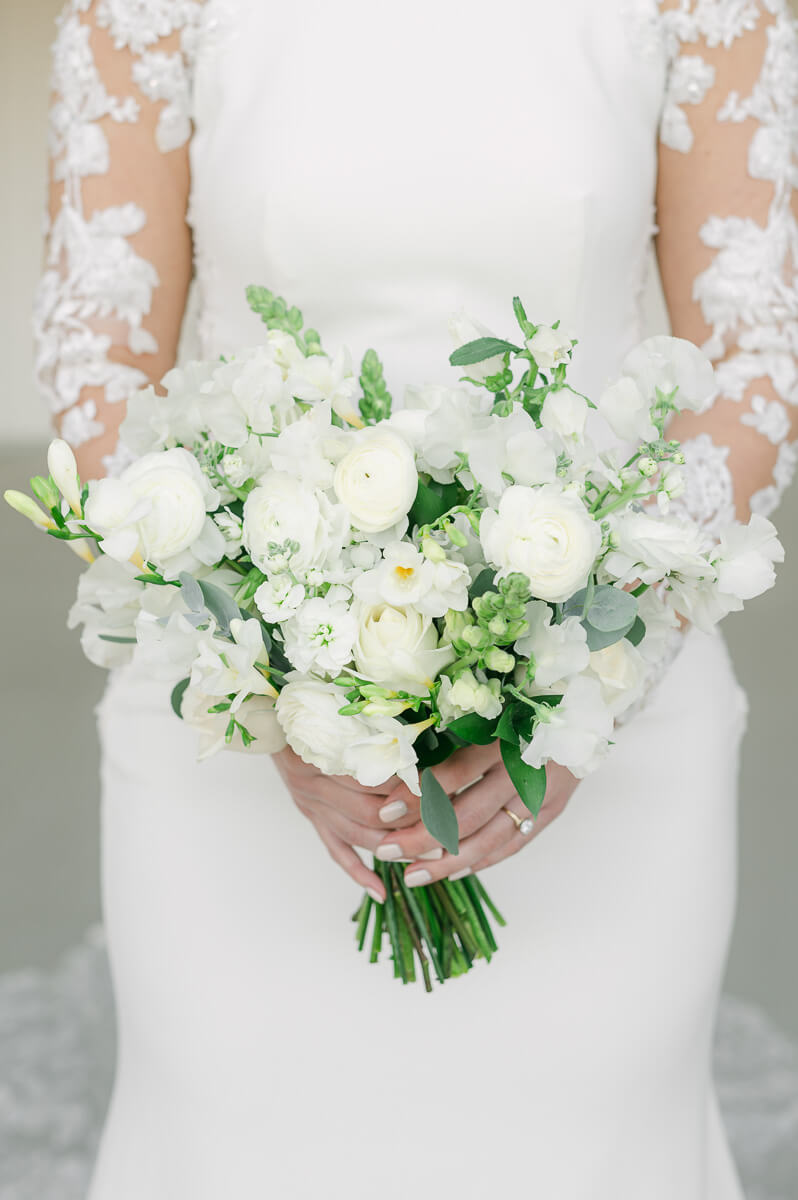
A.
x: 153, y: 421
x: 468, y: 694
x: 400, y: 648
x: 243, y: 395
x: 108, y: 603
x: 546, y: 534
x: 557, y: 651
x: 321, y: 636
x: 576, y: 733
x: 648, y: 547
x: 320, y: 377
x: 309, y: 448
x: 376, y: 480
x: 288, y: 526
x: 621, y: 671
x: 510, y: 446
x: 223, y: 668
x: 550, y: 347
x: 279, y: 598
x: 406, y: 577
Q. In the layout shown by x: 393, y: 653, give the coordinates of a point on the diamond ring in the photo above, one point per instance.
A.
x: 524, y: 825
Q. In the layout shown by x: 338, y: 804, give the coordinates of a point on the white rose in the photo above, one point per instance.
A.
x: 550, y: 347
x: 307, y: 710
x: 621, y: 672
x: 576, y: 733
x: 564, y: 413
x: 558, y: 651
x: 627, y: 411
x: 547, y: 535
x: 377, y: 480
x: 399, y: 647
x: 321, y: 636
x: 288, y: 526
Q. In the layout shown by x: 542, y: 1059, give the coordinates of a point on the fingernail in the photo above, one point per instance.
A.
x: 393, y: 811
x: 432, y: 855
x: 375, y: 895
x: 417, y: 878
x: 461, y: 874
x: 389, y: 853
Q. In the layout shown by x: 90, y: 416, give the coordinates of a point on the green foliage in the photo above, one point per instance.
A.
x: 276, y: 314
x: 433, y: 500
x: 529, y: 782
x: 375, y: 403
x: 607, y: 613
x: 176, y: 699
x: 473, y: 728
x: 437, y: 812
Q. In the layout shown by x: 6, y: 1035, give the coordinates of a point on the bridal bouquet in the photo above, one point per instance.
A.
x: 378, y: 589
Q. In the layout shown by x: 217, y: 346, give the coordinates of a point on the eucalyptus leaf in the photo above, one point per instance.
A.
x: 529, y: 782
x: 600, y: 639
x: 474, y: 729
x: 612, y: 608
x: 191, y: 592
x: 437, y: 813
x: 176, y: 698
x: 479, y: 350
x: 219, y: 604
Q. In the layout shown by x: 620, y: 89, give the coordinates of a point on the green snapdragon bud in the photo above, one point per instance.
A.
x: 499, y: 660
x: 476, y: 637
x: 498, y: 626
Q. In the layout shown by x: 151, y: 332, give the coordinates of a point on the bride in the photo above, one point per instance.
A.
x: 382, y: 168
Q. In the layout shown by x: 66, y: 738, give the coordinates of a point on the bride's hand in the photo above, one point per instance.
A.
x: 487, y: 834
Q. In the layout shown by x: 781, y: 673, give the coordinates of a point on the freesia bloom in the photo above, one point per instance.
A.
x: 225, y: 669
x: 406, y: 577
x: 257, y: 715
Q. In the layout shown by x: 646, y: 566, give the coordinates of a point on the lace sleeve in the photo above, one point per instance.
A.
x: 118, y: 253
x: 728, y: 242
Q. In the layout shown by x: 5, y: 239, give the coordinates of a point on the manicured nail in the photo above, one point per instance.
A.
x: 417, y: 878
x: 389, y: 853
x: 375, y: 895
x: 432, y: 855
x: 393, y: 811
x: 461, y: 874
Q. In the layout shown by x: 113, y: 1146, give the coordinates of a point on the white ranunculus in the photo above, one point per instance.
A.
x: 108, y: 602
x: 400, y: 648
x: 319, y: 377
x: 468, y: 694
x: 382, y: 749
x: 649, y: 547
x: 577, y: 732
x: 321, y: 636
x: 564, y: 413
x: 511, y: 445
x: 546, y: 534
x: 279, y: 598
x: 621, y: 671
x: 308, y: 712
x: 463, y: 329
x: 377, y: 480
x: 627, y: 411
x: 550, y: 347
x: 230, y: 669
x: 665, y: 363
x: 288, y: 526
x: 558, y: 651
x: 257, y: 715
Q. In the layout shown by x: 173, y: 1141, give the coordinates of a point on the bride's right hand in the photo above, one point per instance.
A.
x: 345, y: 814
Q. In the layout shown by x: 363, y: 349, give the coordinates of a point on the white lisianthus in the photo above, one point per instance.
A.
x: 468, y: 694
x: 463, y: 329
x: 550, y: 347
x: 319, y: 377
x: 546, y: 534
x: 376, y: 481
x: 558, y: 651
x: 383, y: 748
x: 649, y: 547
x: 223, y: 668
x: 621, y: 671
x: 156, y: 508
x: 406, y: 577
x: 627, y: 411
x: 288, y: 526
x: 308, y: 712
x: 510, y: 446
x: 400, y: 648
x: 108, y: 603
x: 564, y: 413
x: 279, y: 598
x: 257, y: 715
x: 666, y: 363
x: 321, y: 636
x: 576, y: 734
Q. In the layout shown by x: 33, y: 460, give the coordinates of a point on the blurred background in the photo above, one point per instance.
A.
x: 49, y: 851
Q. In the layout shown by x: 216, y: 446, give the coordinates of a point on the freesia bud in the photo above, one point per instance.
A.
x: 384, y: 708
x: 80, y: 547
x: 64, y: 470
x: 28, y: 508
x: 431, y: 550
x: 45, y: 491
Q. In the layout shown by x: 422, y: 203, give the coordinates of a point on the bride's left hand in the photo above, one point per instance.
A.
x: 487, y: 834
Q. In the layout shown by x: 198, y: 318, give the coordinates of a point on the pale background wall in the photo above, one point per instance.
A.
x: 48, y: 791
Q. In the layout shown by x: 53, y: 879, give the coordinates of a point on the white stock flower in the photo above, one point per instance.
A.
x: 558, y: 651
x: 546, y: 534
x: 376, y: 480
x: 223, y: 668
x: 511, y: 445
x: 321, y: 636
x: 157, y: 507
x: 576, y: 733
x: 320, y: 377
x: 288, y: 526
x: 257, y: 715
x: 467, y: 694
x: 621, y: 671
x: 463, y: 329
x: 279, y: 598
x: 400, y: 648
x: 108, y: 602
x: 231, y: 528
x: 564, y: 413
x: 406, y: 577
x: 649, y: 547
x: 308, y: 712
x: 550, y: 347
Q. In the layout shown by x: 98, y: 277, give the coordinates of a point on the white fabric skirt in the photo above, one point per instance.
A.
x: 261, y: 1056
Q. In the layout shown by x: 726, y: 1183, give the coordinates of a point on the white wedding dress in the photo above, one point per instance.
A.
x: 380, y: 169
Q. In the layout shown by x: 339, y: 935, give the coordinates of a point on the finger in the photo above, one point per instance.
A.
x: 458, y: 771
x: 348, y: 831
x: 357, y: 807
x: 548, y: 813
x: 288, y: 762
x: 491, y: 838
x: 350, y: 862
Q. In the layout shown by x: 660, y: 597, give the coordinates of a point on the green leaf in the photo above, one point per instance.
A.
x: 506, y: 729
x: 637, y: 632
x: 529, y: 782
x: 176, y: 698
x: 474, y: 729
x: 155, y: 579
x: 107, y: 637
x: 432, y: 501
x: 437, y: 813
x: 599, y: 639
x: 612, y: 608
x: 479, y: 350
x: 483, y: 583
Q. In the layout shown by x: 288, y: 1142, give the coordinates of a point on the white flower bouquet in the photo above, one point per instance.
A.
x: 378, y: 589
